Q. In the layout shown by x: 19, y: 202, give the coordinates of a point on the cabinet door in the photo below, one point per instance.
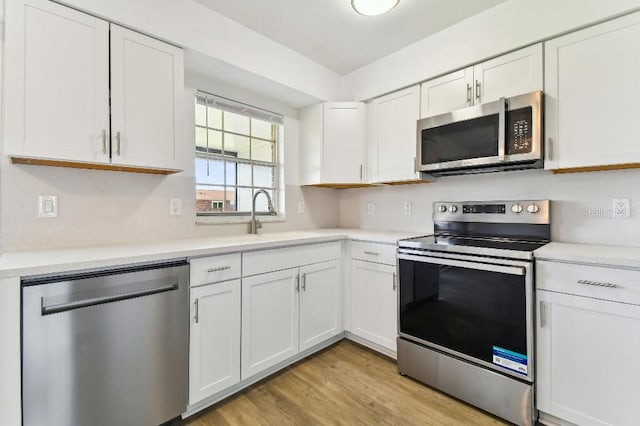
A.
x: 214, y: 352
x: 393, y: 135
x: 587, y: 353
x: 344, y: 142
x: 592, y: 92
x: 320, y: 306
x: 447, y: 93
x: 269, y: 320
x: 374, y: 303
x: 56, y: 82
x: 146, y: 100
x: 508, y: 75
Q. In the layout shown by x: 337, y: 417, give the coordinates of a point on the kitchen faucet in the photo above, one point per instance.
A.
x: 255, y: 224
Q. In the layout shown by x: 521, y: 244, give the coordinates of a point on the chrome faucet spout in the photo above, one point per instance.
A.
x: 254, y: 223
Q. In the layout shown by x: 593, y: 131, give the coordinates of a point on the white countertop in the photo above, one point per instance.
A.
x: 607, y: 255
x: 36, y: 262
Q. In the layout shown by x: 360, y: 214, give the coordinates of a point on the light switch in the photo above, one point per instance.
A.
x: 47, y: 206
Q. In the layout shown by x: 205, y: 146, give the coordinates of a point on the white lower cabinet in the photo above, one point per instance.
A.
x: 374, y: 303
x: 587, y: 347
x: 320, y: 288
x: 288, y: 311
x: 214, y: 353
x: 269, y: 320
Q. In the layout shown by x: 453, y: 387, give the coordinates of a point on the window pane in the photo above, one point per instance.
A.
x: 261, y: 129
x: 201, y: 115
x: 214, y: 118
x: 236, y: 146
x: 231, y: 200
x: 236, y: 123
x: 244, y: 199
x: 201, y: 139
x: 261, y: 202
x: 232, y: 173
x: 262, y: 151
x: 263, y: 176
x: 209, y: 199
x: 244, y: 174
x: 209, y: 172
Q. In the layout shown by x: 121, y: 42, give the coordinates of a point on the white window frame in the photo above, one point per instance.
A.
x: 277, y: 120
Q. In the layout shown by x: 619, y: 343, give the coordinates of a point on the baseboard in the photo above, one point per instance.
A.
x: 549, y: 420
x: 369, y: 344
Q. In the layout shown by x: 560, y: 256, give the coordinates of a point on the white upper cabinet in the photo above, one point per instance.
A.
x: 59, y: 68
x: 508, y: 75
x: 447, y: 93
x: 332, y: 143
x: 592, y: 92
x: 392, y: 136
x: 56, y: 83
x: 146, y: 98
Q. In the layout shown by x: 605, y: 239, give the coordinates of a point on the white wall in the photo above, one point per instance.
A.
x: 505, y: 27
x: 102, y: 207
x: 580, y: 212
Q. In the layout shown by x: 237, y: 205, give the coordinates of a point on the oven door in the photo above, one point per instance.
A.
x: 468, y: 307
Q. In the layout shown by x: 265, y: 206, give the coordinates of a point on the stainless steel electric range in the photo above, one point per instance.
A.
x: 466, y: 303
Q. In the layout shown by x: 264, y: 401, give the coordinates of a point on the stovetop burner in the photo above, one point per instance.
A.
x: 510, y: 229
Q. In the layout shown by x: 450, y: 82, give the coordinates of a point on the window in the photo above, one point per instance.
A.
x: 236, y: 155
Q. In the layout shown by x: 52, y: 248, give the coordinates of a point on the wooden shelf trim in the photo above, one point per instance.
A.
x: 597, y: 168
x: 94, y: 166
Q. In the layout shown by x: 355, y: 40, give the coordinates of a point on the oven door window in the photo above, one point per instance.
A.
x: 466, y: 310
x: 463, y: 140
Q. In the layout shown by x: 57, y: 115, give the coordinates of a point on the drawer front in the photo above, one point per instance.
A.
x: 617, y: 285
x: 374, y: 252
x: 262, y: 261
x: 207, y: 270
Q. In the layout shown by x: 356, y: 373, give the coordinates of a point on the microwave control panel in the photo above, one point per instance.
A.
x: 519, y: 131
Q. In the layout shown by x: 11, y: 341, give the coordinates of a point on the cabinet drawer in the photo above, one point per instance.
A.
x: 259, y: 262
x: 374, y: 252
x: 617, y: 285
x: 206, y: 270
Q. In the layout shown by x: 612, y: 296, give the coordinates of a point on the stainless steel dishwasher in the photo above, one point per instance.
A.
x: 106, y: 347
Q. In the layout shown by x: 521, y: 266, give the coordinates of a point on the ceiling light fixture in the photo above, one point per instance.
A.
x: 373, y: 7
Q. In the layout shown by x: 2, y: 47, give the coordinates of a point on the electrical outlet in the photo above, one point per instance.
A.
x: 175, y: 207
x: 408, y: 207
x: 48, y: 206
x: 622, y: 208
x: 370, y: 208
x: 301, y: 207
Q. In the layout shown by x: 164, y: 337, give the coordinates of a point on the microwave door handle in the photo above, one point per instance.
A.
x: 490, y: 267
x: 502, y: 128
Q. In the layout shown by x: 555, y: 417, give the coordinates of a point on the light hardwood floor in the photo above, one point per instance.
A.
x: 345, y: 384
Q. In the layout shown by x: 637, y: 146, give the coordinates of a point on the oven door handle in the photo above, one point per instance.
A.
x: 510, y: 270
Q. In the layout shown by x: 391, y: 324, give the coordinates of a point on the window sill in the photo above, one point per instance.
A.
x: 230, y: 220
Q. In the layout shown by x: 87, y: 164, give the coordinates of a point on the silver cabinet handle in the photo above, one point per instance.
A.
x: 298, y: 283
x: 104, y: 141
x: 478, y: 89
x: 372, y: 253
x: 543, y: 314
x: 304, y: 282
x: 597, y: 284
x: 196, y: 315
x: 117, y: 143
x: 395, y: 281
x: 468, y: 93
x: 219, y: 268
x: 549, y: 148
x: 361, y: 172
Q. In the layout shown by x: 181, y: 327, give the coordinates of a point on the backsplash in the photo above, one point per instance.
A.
x: 581, y: 202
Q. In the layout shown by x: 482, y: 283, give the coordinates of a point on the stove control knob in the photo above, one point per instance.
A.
x: 453, y: 208
x: 442, y: 208
x: 516, y: 208
x: 532, y: 208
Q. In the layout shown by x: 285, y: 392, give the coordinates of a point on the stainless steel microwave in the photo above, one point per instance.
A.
x: 501, y: 135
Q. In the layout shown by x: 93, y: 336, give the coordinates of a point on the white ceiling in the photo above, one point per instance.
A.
x: 332, y: 34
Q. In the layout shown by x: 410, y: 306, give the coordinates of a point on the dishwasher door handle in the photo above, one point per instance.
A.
x: 92, y: 301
